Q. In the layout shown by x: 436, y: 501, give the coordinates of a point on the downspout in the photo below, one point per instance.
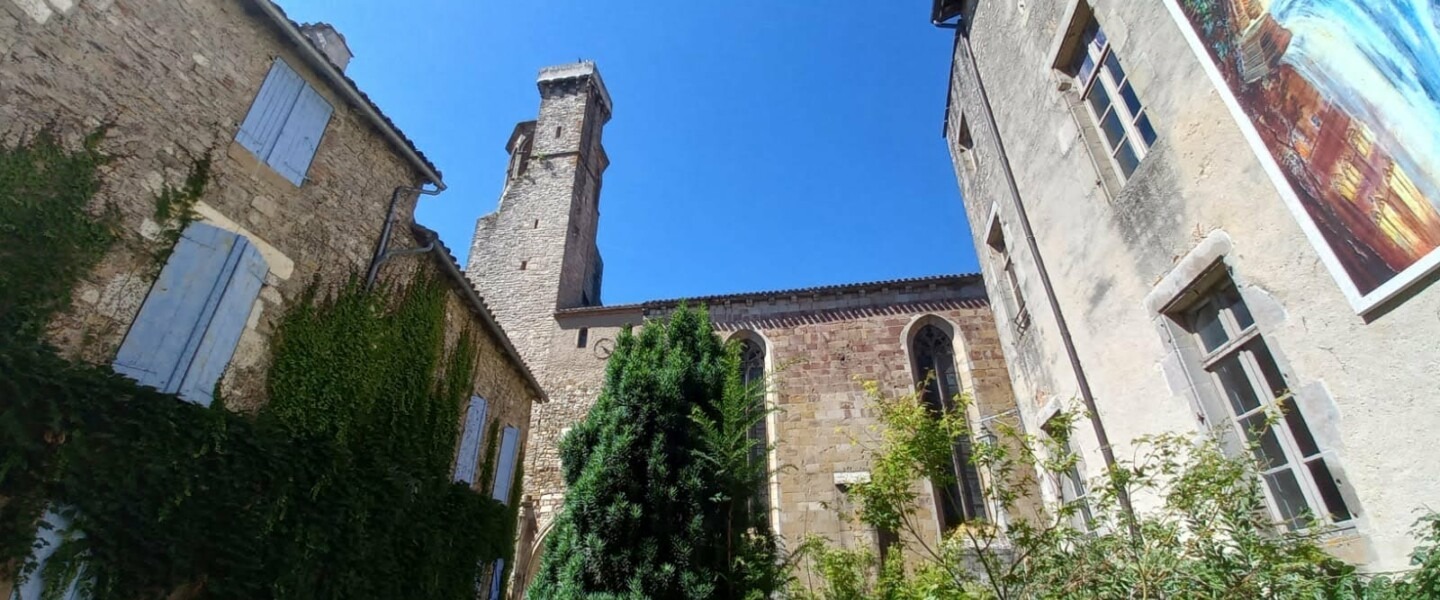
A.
x: 1081, y: 379
x: 382, y: 253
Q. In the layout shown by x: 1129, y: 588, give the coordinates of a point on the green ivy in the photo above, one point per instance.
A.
x: 492, y: 439
x: 175, y: 207
x: 51, y: 240
x: 339, y: 488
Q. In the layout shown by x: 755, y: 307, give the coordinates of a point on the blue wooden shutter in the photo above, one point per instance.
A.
x: 505, y: 471
x: 48, y: 538
x: 301, y: 136
x: 469, y: 454
x: 216, y: 346
x: 496, y: 579
x: 187, y: 329
x: 272, y: 106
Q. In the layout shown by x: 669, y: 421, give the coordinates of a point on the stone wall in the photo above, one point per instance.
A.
x: 1363, y: 383
x: 172, y: 81
x: 820, y: 346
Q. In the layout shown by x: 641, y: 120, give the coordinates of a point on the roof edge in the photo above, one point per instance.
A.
x: 350, y: 90
x: 838, y: 289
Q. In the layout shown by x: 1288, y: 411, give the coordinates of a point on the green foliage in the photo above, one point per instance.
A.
x: 492, y: 444
x: 175, y: 208
x: 51, y: 241
x: 171, y: 494
x: 749, y: 563
x: 1212, y: 537
x: 339, y: 489
x: 648, y: 513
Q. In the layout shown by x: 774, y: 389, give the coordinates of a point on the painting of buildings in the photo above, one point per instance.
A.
x: 1344, y: 95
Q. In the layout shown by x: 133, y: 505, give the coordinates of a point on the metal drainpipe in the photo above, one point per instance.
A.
x: 381, y: 254
x: 1081, y: 379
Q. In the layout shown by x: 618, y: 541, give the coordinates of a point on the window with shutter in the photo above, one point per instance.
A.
x: 48, y: 539
x: 285, y: 123
x: 497, y: 579
x: 300, y: 137
x: 505, y: 472
x: 469, y: 454
x: 271, y: 108
x: 190, y: 323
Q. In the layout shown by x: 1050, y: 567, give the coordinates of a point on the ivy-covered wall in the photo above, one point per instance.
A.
x: 339, y: 487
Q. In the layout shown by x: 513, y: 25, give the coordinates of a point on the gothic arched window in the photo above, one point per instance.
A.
x: 752, y: 374
x: 960, y: 499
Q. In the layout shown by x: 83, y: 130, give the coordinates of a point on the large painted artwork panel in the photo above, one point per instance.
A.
x: 1344, y: 97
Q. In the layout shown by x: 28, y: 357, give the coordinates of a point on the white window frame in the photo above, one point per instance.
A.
x: 1241, y: 339
x: 1096, y: 52
x: 1019, y: 312
x: 1070, y: 484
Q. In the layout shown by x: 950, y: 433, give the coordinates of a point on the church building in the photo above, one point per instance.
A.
x: 536, y: 262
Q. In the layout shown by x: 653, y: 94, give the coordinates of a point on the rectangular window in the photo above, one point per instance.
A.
x: 1019, y: 313
x: 1259, y: 406
x: 1119, y: 115
x: 583, y: 339
x: 285, y: 123
x: 1073, y: 490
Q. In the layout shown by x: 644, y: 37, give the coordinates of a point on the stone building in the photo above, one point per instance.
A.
x: 1185, y: 243
x: 308, y: 182
x: 536, y: 258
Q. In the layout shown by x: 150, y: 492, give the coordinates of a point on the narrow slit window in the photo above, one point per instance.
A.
x: 752, y: 373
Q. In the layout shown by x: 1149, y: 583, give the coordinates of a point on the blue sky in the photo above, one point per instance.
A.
x: 756, y: 144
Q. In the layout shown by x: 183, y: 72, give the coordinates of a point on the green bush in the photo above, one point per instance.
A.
x: 656, y: 494
x: 1212, y: 538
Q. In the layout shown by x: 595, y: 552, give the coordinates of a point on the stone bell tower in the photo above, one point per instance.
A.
x: 536, y: 253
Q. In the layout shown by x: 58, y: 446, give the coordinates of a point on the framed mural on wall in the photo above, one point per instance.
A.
x: 1341, y: 100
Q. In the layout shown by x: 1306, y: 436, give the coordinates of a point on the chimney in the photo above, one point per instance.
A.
x: 330, y: 43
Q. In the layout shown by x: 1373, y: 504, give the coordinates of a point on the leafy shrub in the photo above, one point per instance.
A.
x: 1212, y: 538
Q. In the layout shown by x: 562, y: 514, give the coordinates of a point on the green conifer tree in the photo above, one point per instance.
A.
x: 647, y: 510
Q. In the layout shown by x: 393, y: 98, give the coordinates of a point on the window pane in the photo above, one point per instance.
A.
x: 1112, y: 65
x: 1207, y: 326
x: 1329, y: 491
x: 1114, y: 131
x: 1087, y: 68
x: 1267, y: 446
x: 1147, y: 132
x: 1299, y: 430
x: 1077, y: 485
x: 1099, y: 100
x: 1288, y: 498
x: 1236, y: 304
x: 1127, y: 92
x: 1236, y: 385
x: 1273, y: 380
x: 1125, y: 155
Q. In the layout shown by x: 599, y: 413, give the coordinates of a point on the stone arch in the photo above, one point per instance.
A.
x: 957, y: 339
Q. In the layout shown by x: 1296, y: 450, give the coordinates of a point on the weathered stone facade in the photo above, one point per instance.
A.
x: 1119, y: 254
x: 535, y: 257
x: 171, y: 83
